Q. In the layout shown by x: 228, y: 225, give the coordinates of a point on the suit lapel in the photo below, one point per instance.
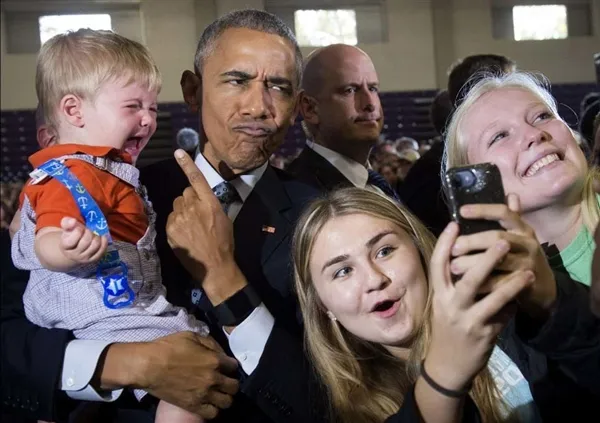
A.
x: 263, y: 221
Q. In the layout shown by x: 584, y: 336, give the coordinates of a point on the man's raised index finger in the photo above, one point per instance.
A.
x: 196, y: 178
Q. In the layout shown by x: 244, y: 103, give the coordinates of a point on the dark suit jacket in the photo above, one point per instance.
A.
x: 313, y: 169
x: 31, y: 356
x: 421, y: 190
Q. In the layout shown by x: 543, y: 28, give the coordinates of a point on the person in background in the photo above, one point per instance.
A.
x: 590, y: 107
x: 45, y: 134
x: 588, y: 110
x: 422, y: 189
x: 405, y: 143
x: 539, y: 160
x: 461, y: 73
x: 425, y: 145
x: 9, y: 192
x: 343, y: 119
x: 406, y: 150
x: 440, y: 111
x: 390, y: 172
x: 4, y: 215
x: 9, y: 202
x: 406, y: 160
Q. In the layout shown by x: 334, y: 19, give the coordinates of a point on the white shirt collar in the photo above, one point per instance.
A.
x: 355, y: 172
x: 244, y: 184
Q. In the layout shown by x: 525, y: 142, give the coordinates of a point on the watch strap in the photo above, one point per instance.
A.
x: 238, y: 307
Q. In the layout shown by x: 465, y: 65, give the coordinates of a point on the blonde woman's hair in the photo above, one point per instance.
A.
x: 364, y: 382
x: 80, y: 62
x: 455, y: 152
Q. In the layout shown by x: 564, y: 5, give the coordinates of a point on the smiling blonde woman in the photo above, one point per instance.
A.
x: 512, y: 121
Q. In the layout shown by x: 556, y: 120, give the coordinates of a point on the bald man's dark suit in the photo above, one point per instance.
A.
x: 313, y: 169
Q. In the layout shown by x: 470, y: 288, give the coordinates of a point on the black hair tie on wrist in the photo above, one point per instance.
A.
x: 447, y: 392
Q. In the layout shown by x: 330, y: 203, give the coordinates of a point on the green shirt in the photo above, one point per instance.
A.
x: 577, y: 257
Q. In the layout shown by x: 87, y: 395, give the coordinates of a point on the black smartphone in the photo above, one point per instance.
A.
x: 474, y: 184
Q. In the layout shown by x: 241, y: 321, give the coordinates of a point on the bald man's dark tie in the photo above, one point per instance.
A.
x: 379, y: 181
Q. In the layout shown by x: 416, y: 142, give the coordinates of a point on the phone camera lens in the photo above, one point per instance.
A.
x: 464, y: 179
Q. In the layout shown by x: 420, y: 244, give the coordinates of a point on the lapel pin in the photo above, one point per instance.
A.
x: 269, y: 229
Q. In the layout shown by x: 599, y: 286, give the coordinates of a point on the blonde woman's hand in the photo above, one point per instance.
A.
x: 525, y: 254
x: 464, y: 324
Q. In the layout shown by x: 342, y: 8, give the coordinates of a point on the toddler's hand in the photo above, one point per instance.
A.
x: 80, y: 244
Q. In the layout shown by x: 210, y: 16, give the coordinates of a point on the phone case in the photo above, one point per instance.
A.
x: 484, y: 186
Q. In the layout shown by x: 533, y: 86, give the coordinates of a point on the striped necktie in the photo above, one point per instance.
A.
x: 227, y: 195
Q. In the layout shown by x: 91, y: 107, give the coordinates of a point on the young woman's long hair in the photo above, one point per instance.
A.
x: 455, y: 153
x: 366, y: 383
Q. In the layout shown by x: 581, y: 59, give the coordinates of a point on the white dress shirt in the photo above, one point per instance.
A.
x: 79, y: 365
x: 247, y: 341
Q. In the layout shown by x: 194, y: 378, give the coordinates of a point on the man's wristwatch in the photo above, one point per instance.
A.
x: 235, y: 309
